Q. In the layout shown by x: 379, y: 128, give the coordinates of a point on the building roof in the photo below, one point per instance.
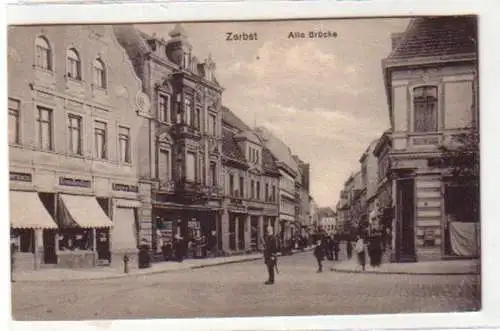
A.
x: 278, y: 148
x: 229, y: 118
x: 248, y: 135
x: 230, y: 148
x: 437, y: 36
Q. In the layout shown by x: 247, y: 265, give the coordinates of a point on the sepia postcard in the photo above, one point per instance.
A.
x: 244, y: 169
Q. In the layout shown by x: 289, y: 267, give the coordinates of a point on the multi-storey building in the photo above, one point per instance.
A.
x: 302, y: 194
x: 181, y: 144
x: 384, y: 183
x: 431, y: 84
x: 288, y: 169
x: 342, y: 212
x: 251, y: 181
x: 357, y: 202
x: 75, y: 110
x: 369, y: 181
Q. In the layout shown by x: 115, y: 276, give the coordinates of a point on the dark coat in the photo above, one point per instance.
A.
x: 270, y: 248
x: 319, y: 251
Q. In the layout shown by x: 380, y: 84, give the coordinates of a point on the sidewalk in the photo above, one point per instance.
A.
x: 111, y: 272
x: 451, y: 267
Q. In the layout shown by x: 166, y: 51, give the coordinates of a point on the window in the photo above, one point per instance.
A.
x: 164, y: 107
x: 164, y: 166
x: 75, y: 134
x: 425, y: 109
x: 257, y: 156
x: 267, y: 197
x: 231, y: 184
x: 101, y: 139
x: 44, y: 120
x: 124, y: 144
x: 252, y: 189
x: 242, y: 186
x: 211, y: 124
x: 73, y: 64
x: 14, y: 121
x: 258, y: 190
x: 99, y: 74
x: 213, y: 174
x: 43, y: 54
x: 188, y: 119
x: 197, y: 117
x: 186, y: 60
x: 273, y: 197
x: 191, y: 167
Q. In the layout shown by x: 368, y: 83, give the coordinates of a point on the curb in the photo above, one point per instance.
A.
x: 214, y: 264
x: 374, y: 272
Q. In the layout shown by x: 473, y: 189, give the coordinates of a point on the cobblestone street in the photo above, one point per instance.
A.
x: 238, y: 290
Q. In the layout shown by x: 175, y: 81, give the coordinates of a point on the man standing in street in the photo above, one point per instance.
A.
x: 270, y: 250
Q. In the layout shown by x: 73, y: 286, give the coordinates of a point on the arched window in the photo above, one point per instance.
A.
x: 425, y: 109
x: 99, y: 74
x: 73, y: 64
x: 43, y: 53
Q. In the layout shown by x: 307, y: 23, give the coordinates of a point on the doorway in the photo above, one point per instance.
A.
x: 254, y: 235
x: 49, y: 236
x: 241, y: 232
x: 406, y: 219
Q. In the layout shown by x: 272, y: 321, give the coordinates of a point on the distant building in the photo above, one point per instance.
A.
x: 431, y: 84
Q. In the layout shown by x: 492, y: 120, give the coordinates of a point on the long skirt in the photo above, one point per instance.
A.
x: 362, y: 258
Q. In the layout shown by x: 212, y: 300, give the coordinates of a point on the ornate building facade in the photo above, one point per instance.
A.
x: 75, y: 110
x: 181, y: 154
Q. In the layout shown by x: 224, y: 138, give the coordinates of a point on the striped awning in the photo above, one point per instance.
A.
x: 28, y: 212
x: 84, y: 212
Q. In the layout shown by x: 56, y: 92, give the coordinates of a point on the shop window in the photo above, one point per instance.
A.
x: 462, y: 202
x: 72, y: 239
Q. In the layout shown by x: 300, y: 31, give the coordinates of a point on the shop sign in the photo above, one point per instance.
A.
x: 125, y: 188
x: 74, y: 182
x: 20, y: 177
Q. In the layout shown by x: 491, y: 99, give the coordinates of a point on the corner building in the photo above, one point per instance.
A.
x: 432, y: 89
x: 181, y: 143
x: 75, y: 108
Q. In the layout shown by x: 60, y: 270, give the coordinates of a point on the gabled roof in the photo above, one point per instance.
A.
x: 278, y: 148
x: 437, y: 36
x: 269, y: 162
x: 229, y: 118
x: 248, y: 135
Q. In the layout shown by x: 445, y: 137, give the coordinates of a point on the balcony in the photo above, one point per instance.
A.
x: 183, y: 130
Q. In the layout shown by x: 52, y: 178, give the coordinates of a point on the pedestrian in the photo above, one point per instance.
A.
x: 360, y: 250
x: 336, y: 247
x: 270, y: 251
x: 179, y: 247
x: 13, y: 250
x: 319, y: 253
x: 349, y: 248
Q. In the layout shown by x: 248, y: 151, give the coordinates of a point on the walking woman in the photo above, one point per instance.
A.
x: 360, y: 250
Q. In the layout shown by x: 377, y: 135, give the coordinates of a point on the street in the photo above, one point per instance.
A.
x: 238, y: 290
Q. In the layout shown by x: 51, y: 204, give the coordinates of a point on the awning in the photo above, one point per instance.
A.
x: 84, y: 212
x: 28, y: 212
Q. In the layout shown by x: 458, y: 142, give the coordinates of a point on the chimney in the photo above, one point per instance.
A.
x: 396, y: 39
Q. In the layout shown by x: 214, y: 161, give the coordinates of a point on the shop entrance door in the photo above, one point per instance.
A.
x: 406, y: 219
x: 254, y: 235
x: 241, y: 232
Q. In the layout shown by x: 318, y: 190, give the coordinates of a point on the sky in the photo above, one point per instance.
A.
x: 324, y: 98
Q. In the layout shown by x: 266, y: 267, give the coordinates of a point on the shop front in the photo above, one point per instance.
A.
x: 32, y: 231
x: 84, y: 228
x: 196, y: 226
